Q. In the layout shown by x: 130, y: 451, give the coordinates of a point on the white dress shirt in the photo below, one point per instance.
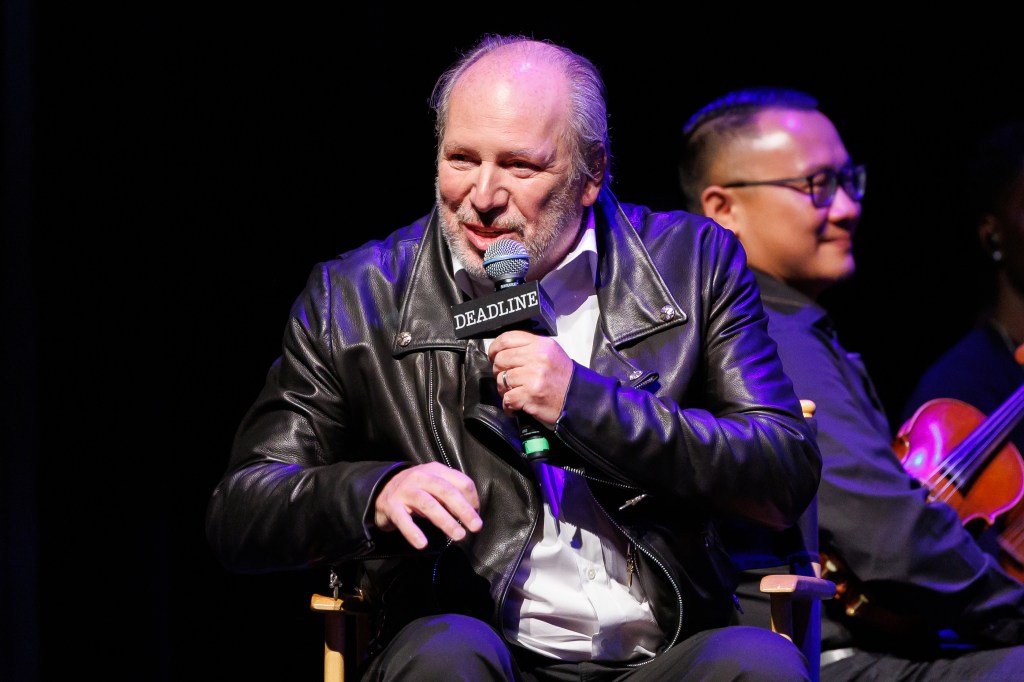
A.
x: 572, y: 597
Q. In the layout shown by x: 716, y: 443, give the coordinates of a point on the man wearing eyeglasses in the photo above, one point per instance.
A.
x: 919, y: 598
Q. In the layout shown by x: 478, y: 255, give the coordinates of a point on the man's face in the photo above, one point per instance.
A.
x: 504, y: 165
x: 781, y: 230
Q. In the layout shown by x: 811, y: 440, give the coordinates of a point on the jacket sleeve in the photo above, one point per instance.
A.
x: 910, y: 555
x: 276, y: 507
x: 725, y: 433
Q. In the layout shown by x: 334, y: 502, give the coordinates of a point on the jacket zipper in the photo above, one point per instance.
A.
x: 507, y: 577
x: 631, y: 548
x: 430, y: 410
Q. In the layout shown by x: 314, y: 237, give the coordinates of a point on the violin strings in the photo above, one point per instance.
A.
x: 990, y: 433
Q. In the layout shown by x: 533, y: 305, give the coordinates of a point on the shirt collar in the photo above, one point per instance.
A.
x: 784, y: 299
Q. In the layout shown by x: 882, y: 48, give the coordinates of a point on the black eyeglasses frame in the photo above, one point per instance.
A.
x: 821, y: 185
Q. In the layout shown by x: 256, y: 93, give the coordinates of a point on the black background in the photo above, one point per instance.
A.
x: 172, y: 173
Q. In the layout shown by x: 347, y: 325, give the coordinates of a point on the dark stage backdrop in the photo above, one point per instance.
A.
x: 180, y: 170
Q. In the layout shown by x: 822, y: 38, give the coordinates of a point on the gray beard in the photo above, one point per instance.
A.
x: 561, y: 216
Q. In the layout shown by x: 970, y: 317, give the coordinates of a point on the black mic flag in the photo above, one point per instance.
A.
x: 515, y: 304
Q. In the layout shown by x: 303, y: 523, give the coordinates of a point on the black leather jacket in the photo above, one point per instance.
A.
x: 685, y: 403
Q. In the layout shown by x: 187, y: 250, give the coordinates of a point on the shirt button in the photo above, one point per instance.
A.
x: 668, y: 313
x: 404, y: 339
x: 591, y: 573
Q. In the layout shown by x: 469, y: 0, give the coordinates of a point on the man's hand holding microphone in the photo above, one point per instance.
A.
x: 532, y: 372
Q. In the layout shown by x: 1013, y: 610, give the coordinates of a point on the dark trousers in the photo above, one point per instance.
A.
x: 989, y: 665
x: 452, y: 647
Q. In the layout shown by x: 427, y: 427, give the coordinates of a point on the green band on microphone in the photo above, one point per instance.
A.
x: 536, y: 445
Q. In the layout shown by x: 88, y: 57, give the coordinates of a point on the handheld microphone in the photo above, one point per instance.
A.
x: 506, y: 262
x: 515, y: 304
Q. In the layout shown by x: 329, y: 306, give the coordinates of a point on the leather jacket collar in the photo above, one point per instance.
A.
x: 635, y: 301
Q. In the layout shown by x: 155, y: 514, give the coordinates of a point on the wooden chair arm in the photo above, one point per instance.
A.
x: 798, y: 586
x: 320, y: 602
x: 336, y: 610
x: 349, y: 603
x: 796, y: 611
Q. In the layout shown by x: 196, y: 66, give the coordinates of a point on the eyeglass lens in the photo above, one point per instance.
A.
x: 852, y: 178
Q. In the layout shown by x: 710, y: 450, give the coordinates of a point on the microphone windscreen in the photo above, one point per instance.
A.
x: 506, y: 259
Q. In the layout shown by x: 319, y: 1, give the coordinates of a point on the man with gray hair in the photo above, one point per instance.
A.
x: 384, y: 438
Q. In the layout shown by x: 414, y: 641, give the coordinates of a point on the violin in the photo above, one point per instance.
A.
x: 1011, y: 535
x: 966, y: 476
x: 1011, y: 543
x: 964, y: 458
